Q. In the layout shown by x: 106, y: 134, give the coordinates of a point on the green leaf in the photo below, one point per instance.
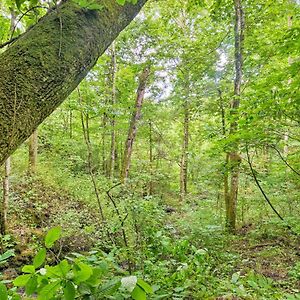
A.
x: 69, y: 291
x: 52, y: 236
x: 31, y: 285
x: 28, y: 269
x: 19, y: 3
x: 121, y: 2
x: 6, y: 255
x: 138, y: 294
x: 108, y: 288
x: 145, y: 286
x: 49, y: 290
x: 22, y: 280
x: 3, y: 292
x: 64, y: 267
x: 84, y: 273
x: 39, y: 258
x: 95, y: 6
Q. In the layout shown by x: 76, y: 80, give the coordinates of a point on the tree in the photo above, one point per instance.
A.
x: 46, y: 64
x: 136, y: 115
x: 33, y: 148
x: 233, y: 156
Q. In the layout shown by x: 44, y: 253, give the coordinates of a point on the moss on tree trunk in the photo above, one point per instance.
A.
x: 47, y: 63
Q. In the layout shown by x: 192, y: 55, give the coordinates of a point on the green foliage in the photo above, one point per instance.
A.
x: 179, y: 246
x: 74, y: 277
x: 122, y: 2
x: 52, y: 236
x: 88, y: 4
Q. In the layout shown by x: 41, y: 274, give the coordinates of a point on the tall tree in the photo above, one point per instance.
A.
x: 136, y: 115
x: 44, y: 65
x: 185, y: 142
x: 113, y: 142
x: 234, y: 157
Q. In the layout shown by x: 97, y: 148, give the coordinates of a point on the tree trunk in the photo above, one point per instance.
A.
x: 33, y: 148
x: 136, y: 115
x: 113, y: 119
x: 86, y: 134
x: 226, y: 174
x: 4, y: 206
x: 47, y: 63
x: 103, y: 142
x: 185, y: 146
x: 286, y: 135
x: 150, y: 158
x: 234, y: 157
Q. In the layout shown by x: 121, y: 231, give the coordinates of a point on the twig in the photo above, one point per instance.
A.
x: 9, y: 42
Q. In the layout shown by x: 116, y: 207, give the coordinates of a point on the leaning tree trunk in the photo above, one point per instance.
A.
x: 234, y: 157
x: 47, y: 63
x: 133, y: 124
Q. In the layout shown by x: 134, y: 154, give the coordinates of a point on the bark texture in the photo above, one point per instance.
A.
x: 133, y: 124
x: 47, y: 63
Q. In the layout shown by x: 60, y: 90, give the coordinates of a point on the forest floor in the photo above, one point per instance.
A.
x: 268, y: 251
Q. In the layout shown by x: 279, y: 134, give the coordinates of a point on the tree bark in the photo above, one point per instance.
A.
x: 47, y: 63
x: 234, y: 157
x: 136, y: 115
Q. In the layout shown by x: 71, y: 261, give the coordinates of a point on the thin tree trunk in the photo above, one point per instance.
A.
x: 136, y: 115
x: 71, y: 124
x: 113, y: 119
x: 103, y: 152
x: 150, y: 158
x: 286, y: 135
x: 185, y: 145
x: 234, y: 157
x: 42, y: 67
x: 4, y: 206
x: 226, y: 174
x: 86, y: 135
x: 33, y: 148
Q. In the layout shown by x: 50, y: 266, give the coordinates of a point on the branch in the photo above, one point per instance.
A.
x: 284, y: 160
x: 263, y: 192
x: 122, y: 220
x: 9, y: 42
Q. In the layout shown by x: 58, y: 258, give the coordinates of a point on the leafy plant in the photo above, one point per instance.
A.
x: 73, y: 277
